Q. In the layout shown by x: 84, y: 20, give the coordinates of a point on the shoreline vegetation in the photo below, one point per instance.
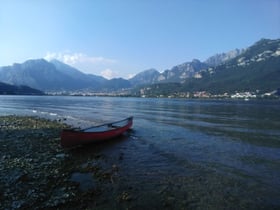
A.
x: 36, y: 172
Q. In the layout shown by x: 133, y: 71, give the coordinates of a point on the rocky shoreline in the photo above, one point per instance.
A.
x: 37, y: 173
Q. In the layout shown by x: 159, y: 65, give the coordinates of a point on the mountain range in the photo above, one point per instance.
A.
x: 254, y: 68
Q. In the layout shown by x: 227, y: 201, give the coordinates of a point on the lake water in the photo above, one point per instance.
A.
x: 181, y: 154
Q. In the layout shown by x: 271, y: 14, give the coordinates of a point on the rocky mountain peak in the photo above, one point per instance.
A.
x: 221, y: 58
x: 145, y: 77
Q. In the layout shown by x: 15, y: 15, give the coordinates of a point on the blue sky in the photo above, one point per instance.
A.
x: 119, y: 38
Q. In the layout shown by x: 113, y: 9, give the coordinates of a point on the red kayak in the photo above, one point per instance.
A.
x: 74, y: 137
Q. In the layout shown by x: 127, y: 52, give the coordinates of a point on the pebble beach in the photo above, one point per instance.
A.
x: 37, y: 173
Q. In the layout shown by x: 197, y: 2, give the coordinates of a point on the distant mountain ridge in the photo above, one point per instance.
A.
x: 256, y: 67
x: 221, y: 58
x: 178, y: 74
x: 54, y: 76
x: 75, y: 73
x: 38, y: 74
x: 146, y: 77
x: 181, y: 72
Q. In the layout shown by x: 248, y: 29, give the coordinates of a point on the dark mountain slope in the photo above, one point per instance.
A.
x: 146, y: 77
x: 6, y: 89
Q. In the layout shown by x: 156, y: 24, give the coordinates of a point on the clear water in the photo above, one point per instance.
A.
x: 182, y: 154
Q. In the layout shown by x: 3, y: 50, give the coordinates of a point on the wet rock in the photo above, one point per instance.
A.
x: 121, y: 156
x: 125, y: 196
x: 85, y: 181
x: 16, y: 176
x: 18, y: 204
x: 61, y: 156
x: 169, y: 201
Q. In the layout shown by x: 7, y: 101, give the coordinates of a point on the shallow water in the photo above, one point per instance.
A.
x: 181, y: 154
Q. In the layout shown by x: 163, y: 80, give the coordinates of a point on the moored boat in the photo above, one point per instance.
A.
x: 74, y: 137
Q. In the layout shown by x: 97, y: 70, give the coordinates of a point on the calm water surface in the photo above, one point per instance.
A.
x: 182, y: 154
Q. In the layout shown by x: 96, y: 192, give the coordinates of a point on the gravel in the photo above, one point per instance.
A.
x: 37, y: 173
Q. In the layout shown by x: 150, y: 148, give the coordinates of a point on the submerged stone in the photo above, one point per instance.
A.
x: 85, y: 180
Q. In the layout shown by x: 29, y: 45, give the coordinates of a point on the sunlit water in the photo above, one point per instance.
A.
x: 182, y: 154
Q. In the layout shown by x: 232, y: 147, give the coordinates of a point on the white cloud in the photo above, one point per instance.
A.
x: 87, y: 64
x: 78, y: 58
x: 97, y: 65
x: 109, y: 74
x: 130, y: 76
